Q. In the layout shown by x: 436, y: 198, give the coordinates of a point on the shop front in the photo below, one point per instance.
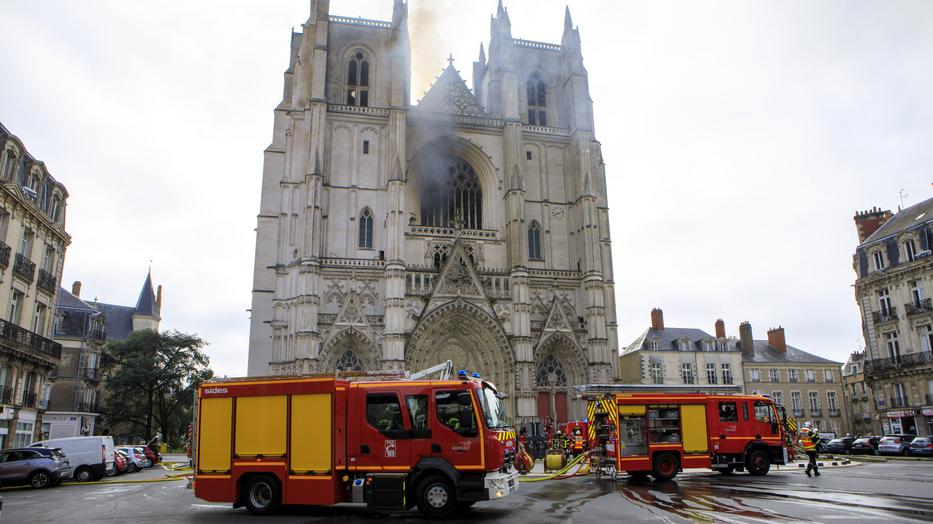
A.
x: 902, y: 421
x: 928, y: 415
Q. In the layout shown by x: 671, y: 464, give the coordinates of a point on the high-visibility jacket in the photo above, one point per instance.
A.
x: 809, y: 440
x: 577, y: 442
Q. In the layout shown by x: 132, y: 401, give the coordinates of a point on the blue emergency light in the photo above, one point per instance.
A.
x: 462, y: 373
x: 475, y: 375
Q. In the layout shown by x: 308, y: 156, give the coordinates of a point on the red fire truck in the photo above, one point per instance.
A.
x: 394, y: 444
x: 661, y: 430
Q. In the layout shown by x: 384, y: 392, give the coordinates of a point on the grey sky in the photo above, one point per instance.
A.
x: 739, y: 139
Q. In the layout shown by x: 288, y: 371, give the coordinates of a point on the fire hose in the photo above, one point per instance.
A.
x: 582, y: 469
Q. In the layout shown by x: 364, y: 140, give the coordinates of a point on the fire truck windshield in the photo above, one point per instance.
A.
x: 492, y: 408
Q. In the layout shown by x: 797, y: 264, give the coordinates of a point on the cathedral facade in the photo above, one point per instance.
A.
x: 471, y: 226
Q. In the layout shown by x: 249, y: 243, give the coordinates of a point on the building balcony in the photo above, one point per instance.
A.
x: 88, y: 407
x: 917, y: 308
x: 798, y: 413
x: 29, y: 400
x: 887, y: 315
x: 24, y: 268
x: 834, y: 413
x: 6, y: 395
x: 47, y: 282
x: 899, y: 402
x: 816, y: 412
x: 24, y: 340
x: 901, y: 362
x: 5, y: 254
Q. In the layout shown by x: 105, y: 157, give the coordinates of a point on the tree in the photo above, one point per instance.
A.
x: 155, y: 375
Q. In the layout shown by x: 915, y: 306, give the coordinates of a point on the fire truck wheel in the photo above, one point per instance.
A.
x: 665, y: 466
x: 261, y: 495
x: 757, y: 462
x: 436, y: 497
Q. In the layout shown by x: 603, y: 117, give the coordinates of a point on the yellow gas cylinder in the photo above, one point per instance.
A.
x: 554, y: 460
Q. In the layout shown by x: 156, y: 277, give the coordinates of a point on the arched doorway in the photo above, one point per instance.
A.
x: 559, y: 365
x: 349, y: 350
x: 470, y: 338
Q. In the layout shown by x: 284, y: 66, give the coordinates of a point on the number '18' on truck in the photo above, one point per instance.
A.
x: 391, y: 444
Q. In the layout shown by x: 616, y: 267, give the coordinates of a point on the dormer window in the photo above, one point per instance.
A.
x: 684, y: 345
x: 910, y: 250
x: 653, y: 345
x: 9, y: 164
x: 358, y: 80
x: 536, y: 94
x: 878, y: 260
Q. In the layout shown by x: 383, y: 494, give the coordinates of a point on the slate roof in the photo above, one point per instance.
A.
x: 667, y: 338
x: 146, y: 305
x: 905, y: 219
x: 76, y: 317
x: 765, y: 354
x: 118, y: 320
x: 67, y: 300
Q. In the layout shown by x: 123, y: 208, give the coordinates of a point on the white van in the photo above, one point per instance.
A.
x: 89, y: 457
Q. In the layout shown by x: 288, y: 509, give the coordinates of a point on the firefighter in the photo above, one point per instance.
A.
x: 577, y: 441
x: 809, y: 439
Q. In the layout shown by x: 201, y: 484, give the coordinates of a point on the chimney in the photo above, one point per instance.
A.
x: 657, y: 319
x: 159, y: 297
x: 720, y: 329
x: 746, y: 339
x: 776, y: 339
x: 76, y: 288
x: 867, y: 222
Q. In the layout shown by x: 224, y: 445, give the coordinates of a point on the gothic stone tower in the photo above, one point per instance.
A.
x: 472, y: 226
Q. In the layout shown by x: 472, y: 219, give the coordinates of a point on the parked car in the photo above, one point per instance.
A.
x: 90, y: 457
x: 136, y: 458
x: 839, y: 445
x: 38, y: 467
x: 865, y: 445
x: 821, y: 445
x: 895, y: 444
x: 151, y: 454
x: 119, y: 464
x: 922, y: 446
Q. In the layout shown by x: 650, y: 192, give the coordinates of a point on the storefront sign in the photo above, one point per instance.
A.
x: 928, y: 412
x: 901, y: 414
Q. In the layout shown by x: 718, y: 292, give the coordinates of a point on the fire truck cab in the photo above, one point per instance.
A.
x: 661, y: 433
x: 391, y: 444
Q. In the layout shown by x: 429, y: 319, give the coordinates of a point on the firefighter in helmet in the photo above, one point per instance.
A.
x: 809, y: 440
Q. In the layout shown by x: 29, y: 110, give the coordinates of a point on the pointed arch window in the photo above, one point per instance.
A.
x: 451, y: 195
x: 536, y: 94
x: 534, y: 241
x: 551, y: 373
x: 349, y: 362
x: 358, y: 80
x: 366, y: 228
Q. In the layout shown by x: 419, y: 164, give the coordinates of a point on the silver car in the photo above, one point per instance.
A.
x: 38, y: 467
x: 895, y: 444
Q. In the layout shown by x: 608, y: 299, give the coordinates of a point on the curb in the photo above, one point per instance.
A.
x: 100, y: 482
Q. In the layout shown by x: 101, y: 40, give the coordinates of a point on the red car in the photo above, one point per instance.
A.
x: 119, y: 464
x: 152, y: 455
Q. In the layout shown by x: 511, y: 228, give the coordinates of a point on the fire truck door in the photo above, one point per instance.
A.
x: 765, y: 424
x: 456, y: 435
x: 380, y: 441
x: 420, y: 422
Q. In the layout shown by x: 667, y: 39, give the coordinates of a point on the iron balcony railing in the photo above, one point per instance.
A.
x: 885, y: 315
x: 816, y: 412
x: 24, y: 339
x: 24, y: 267
x: 798, y: 413
x: 897, y: 402
x: 909, y: 360
x: 29, y: 400
x: 916, y: 308
x: 5, y: 254
x: 47, y: 282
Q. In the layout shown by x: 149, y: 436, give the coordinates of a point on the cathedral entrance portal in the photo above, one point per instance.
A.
x: 467, y: 336
x: 559, y: 365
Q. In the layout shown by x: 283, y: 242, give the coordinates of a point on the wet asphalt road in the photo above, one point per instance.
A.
x: 892, y: 491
